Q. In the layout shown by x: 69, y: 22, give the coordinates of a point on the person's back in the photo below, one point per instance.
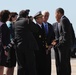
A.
x: 23, y: 33
x: 26, y: 44
x: 20, y: 29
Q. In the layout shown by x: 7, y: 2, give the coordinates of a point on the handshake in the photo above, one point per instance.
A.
x: 54, y: 42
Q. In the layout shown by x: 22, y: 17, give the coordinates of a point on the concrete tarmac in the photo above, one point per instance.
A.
x: 73, y: 66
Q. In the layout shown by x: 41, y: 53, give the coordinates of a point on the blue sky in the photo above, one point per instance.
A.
x: 36, y: 5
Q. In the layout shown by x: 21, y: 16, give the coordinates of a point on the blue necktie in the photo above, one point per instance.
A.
x: 46, y: 28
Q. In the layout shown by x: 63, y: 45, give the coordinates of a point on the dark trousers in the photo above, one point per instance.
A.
x: 26, y: 62
x: 57, y: 61
x: 40, y: 63
x: 43, y: 63
x: 48, y: 63
x: 62, y: 56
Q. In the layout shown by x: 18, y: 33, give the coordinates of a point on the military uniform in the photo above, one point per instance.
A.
x: 41, y: 53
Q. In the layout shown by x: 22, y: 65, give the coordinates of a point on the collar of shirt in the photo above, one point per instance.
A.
x: 58, y: 23
x: 39, y: 25
x: 62, y: 16
x: 59, y: 26
x: 45, y: 23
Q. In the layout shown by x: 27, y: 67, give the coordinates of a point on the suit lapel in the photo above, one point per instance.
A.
x: 49, y: 30
x: 56, y: 30
x: 41, y: 29
x: 56, y: 27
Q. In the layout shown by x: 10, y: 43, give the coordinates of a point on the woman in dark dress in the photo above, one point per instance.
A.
x: 12, y: 60
x: 4, y: 38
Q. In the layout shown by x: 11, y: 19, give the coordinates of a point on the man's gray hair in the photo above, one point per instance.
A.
x: 44, y: 12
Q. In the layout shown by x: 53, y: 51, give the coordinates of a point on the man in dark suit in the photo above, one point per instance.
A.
x: 63, y: 36
x: 57, y: 51
x: 26, y: 44
x: 50, y: 36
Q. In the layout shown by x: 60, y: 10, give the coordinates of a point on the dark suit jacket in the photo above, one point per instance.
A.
x: 56, y: 31
x: 40, y: 38
x: 73, y: 35
x: 51, y: 35
x: 26, y: 45
x: 66, y: 25
x: 24, y: 36
x: 5, y: 35
x: 66, y: 28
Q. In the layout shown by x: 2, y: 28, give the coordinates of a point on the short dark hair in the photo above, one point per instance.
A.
x: 12, y: 15
x: 24, y: 13
x: 61, y: 10
x: 4, y: 15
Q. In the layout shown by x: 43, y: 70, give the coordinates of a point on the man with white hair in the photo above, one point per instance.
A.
x: 49, y: 37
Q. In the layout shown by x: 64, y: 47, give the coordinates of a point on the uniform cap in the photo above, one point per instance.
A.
x: 38, y: 14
